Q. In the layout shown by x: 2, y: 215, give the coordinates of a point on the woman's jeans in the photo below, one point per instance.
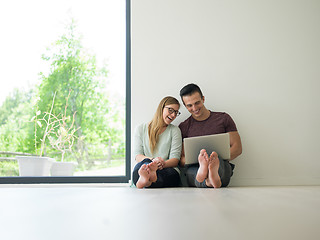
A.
x: 167, y: 177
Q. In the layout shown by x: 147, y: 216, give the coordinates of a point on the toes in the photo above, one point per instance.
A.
x: 143, y: 167
x: 213, y: 155
x: 153, y: 166
x: 202, y: 151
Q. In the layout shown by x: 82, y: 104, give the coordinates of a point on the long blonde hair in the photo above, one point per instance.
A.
x: 156, y: 124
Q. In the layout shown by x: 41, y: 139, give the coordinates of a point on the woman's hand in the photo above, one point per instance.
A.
x: 160, y: 162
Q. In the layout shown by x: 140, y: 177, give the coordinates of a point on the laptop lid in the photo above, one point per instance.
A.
x: 220, y: 143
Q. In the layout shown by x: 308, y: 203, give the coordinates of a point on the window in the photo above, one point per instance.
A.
x: 67, y: 92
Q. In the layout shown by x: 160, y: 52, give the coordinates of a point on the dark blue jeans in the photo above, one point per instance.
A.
x: 167, y: 177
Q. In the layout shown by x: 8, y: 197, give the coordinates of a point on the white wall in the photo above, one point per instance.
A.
x: 257, y: 60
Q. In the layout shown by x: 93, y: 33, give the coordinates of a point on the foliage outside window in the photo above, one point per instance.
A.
x: 99, y: 117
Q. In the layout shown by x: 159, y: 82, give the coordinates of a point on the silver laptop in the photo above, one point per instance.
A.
x: 219, y: 143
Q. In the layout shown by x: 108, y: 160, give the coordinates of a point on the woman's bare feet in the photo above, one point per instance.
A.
x: 203, y: 159
x: 153, y: 171
x: 213, y: 167
x: 144, y: 177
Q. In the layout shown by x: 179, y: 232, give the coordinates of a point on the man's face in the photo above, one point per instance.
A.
x: 194, y: 104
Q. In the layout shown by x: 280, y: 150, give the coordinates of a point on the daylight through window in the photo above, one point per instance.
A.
x: 63, y: 94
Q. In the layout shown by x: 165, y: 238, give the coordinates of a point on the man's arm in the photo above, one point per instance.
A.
x: 235, y: 145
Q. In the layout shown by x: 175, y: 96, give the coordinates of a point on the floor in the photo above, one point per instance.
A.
x: 119, y: 212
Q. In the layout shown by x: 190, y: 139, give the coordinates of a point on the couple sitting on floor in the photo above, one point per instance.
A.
x: 159, y: 150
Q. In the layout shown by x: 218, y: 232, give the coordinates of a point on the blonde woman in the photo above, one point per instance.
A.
x: 157, y: 148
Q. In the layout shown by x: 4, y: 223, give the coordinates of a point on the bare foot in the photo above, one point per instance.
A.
x: 144, y: 177
x: 203, y: 159
x: 153, y: 171
x: 213, y: 167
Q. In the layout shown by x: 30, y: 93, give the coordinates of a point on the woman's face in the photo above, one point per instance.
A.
x: 170, y: 112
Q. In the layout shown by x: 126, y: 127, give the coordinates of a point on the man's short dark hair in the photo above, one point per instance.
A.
x: 189, y: 90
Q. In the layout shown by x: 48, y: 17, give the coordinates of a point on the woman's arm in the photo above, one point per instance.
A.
x: 140, y: 157
x: 175, y: 149
x: 173, y: 162
x: 182, y: 158
x: 138, y: 144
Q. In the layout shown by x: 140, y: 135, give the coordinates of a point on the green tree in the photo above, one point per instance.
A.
x: 74, y: 70
x: 16, y: 132
x: 99, y: 115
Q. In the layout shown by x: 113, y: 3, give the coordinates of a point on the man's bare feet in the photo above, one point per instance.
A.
x: 144, y: 177
x: 153, y: 171
x: 203, y: 159
x: 213, y: 167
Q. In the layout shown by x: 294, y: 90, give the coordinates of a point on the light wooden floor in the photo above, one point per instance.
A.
x: 97, y: 212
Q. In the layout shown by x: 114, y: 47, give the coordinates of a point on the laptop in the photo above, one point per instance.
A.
x: 219, y: 143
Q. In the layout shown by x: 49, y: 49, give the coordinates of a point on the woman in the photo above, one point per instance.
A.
x: 157, y: 148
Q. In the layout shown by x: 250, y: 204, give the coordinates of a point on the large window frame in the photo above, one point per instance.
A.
x: 97, y: 179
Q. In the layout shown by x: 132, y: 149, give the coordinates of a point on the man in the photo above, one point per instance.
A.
x: 211, y: 171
